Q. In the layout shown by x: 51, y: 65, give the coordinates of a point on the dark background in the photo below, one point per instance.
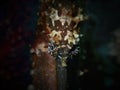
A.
x: 17, y: 28
x: 98, y: 58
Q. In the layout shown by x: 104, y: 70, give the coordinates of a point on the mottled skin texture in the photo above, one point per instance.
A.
x: 45, y: 72
x: 55, y: 22
x: 44, y: 66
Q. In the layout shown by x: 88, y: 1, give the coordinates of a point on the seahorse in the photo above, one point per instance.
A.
x: 53, y: 43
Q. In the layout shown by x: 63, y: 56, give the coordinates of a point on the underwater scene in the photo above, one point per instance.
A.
x: 59, y: 45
